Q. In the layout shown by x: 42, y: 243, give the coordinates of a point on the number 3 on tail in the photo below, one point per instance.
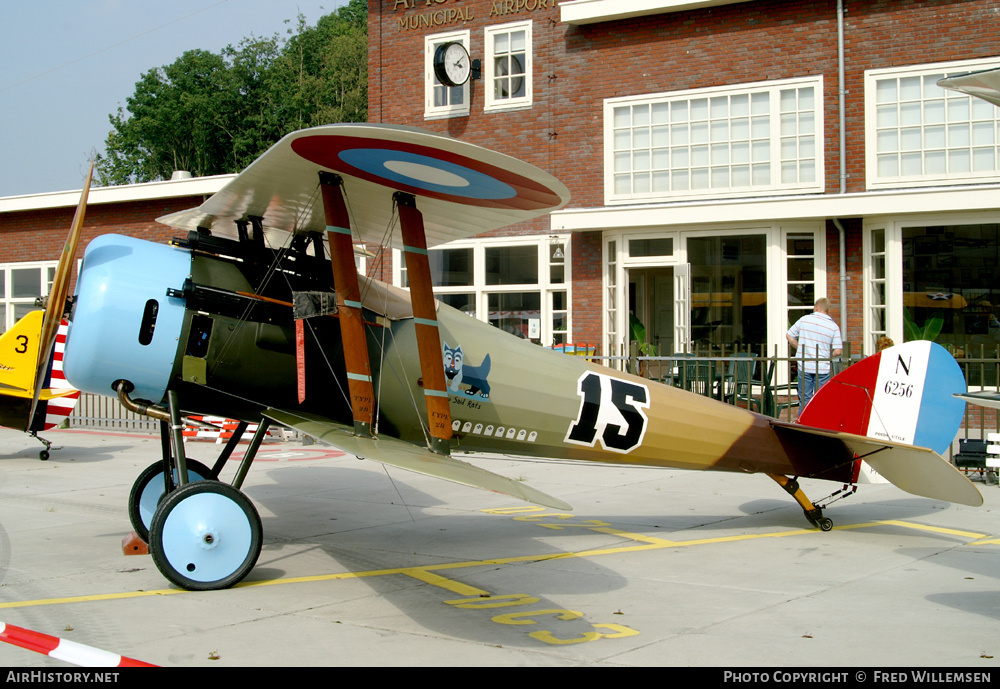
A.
x: 611, y: 410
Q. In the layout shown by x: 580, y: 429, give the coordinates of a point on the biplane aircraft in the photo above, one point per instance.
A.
x: 259, y: 314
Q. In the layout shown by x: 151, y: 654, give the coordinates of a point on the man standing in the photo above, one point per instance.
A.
x: 816, y: 339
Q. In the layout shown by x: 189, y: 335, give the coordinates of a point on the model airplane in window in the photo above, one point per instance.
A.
x: 259, y: 314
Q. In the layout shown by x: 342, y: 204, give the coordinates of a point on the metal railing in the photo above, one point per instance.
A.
x: 752, y: 378
x: 107, y: 413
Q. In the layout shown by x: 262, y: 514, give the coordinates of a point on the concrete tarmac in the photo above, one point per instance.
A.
x: 370, y: 566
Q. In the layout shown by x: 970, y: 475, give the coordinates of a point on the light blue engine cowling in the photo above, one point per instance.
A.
x: 124, y: 326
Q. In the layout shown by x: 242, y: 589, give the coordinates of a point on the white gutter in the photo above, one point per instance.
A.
x: 197, y: 186
x: 865, y: 204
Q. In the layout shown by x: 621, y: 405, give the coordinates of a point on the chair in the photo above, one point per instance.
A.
x: 697, y: 377
x: 737, y: 383
x: 769, y: 400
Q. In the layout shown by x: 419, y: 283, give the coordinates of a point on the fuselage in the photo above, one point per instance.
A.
x: 192, y: 320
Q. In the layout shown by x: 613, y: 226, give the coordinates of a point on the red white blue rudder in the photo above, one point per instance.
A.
x: 903, y: 394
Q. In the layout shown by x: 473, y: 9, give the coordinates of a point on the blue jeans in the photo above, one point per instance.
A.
x: 809, y: 383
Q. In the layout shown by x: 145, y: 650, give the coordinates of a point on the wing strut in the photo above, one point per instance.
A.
x: 345, y: 282
x: 411, y: 222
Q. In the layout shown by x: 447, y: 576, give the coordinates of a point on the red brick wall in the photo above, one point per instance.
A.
x: 576, y: 68
x: 40, y: 235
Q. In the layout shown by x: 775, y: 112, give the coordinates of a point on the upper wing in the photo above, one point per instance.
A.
x: 461, y: 189
x: 916, y: 470
x: 406, y: 456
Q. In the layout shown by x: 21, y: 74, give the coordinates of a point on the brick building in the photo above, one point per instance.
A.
x: 729, y: 161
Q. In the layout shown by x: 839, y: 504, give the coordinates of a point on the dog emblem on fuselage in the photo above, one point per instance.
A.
x: 461, y: 374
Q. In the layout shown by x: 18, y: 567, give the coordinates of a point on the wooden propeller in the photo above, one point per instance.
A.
x: 57, y: 295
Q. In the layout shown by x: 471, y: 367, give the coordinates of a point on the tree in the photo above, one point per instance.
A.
x: 214, y: 114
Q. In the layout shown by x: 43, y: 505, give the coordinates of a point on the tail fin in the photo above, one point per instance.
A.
x: 902, y: 396
x: 18, y: 358
x: 18, y: 355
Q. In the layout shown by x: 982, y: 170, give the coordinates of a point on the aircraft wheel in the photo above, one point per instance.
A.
x: 206, y: 535
x: 43, y: 455
x: 147, y: 491
x: 824, y: 523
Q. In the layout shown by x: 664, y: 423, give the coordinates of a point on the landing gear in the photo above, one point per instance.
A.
x: 813, y: 513
x: 203, y: 534
x: 44, y: 454
x: 206, y: 535
x: 149, y: 489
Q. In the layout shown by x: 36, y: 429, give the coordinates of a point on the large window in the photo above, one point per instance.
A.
x: 715, y: 142
x: 20, y: 285
x: 508, y: 66
x: 921, y: 134
x: 441, y: 100
x: 520, y: 286
x: 728, y: 290
x: 950, y: 289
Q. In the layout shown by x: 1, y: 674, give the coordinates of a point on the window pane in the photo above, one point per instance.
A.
x: 512, y: 265
x: 25, y: 282
x: 451, y: 267
x: 728, y: 290
x: 950, y: 291
x: 663, y: 246
x: 512, y: 312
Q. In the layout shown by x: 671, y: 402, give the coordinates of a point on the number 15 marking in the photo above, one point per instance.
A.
x: 610, y: 410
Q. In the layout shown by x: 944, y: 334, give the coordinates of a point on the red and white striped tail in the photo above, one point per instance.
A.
x: 58, y: 409
x: 68, y: 651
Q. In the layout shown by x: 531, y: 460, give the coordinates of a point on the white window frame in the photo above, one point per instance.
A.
x: 545, y: 286
x: 431, y: 82
x: 492, y: 102
x: 939, y: 127
x: 617, y: 262
x: 894, y: 271
x: 806, y: 138
x: 13, y: 304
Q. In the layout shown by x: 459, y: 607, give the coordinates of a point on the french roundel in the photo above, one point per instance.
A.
x: 425, y: 171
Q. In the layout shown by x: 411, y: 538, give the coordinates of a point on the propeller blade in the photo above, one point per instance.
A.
x: 57, y: 295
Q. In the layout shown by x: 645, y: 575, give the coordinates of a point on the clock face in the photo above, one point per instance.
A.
x: 451, y: 64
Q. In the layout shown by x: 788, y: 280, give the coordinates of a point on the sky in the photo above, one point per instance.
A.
x: 66, y: 65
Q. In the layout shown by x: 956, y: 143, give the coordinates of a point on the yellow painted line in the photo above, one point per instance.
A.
x: 427, y: 573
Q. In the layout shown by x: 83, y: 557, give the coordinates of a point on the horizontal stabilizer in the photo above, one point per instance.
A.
x: 986, y: 398
x: 403, y: 455
x: 916, y: 470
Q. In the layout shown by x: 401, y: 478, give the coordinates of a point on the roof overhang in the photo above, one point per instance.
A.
x: 593, y: 11
x: 197, y: 186
x: 865, y: 205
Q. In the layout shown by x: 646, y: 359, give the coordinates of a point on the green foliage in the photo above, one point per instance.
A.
x: 639, y: 335
x: 214, y: 114
x: 928, y: 331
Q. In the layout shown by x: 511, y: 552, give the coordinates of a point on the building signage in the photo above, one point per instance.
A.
x: 432, y: 13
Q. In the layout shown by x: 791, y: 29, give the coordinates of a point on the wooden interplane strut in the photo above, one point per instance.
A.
x: 345, y: 282
x: 418, y: 270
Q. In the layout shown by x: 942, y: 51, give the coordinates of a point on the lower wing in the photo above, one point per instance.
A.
x: 410, y: 457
